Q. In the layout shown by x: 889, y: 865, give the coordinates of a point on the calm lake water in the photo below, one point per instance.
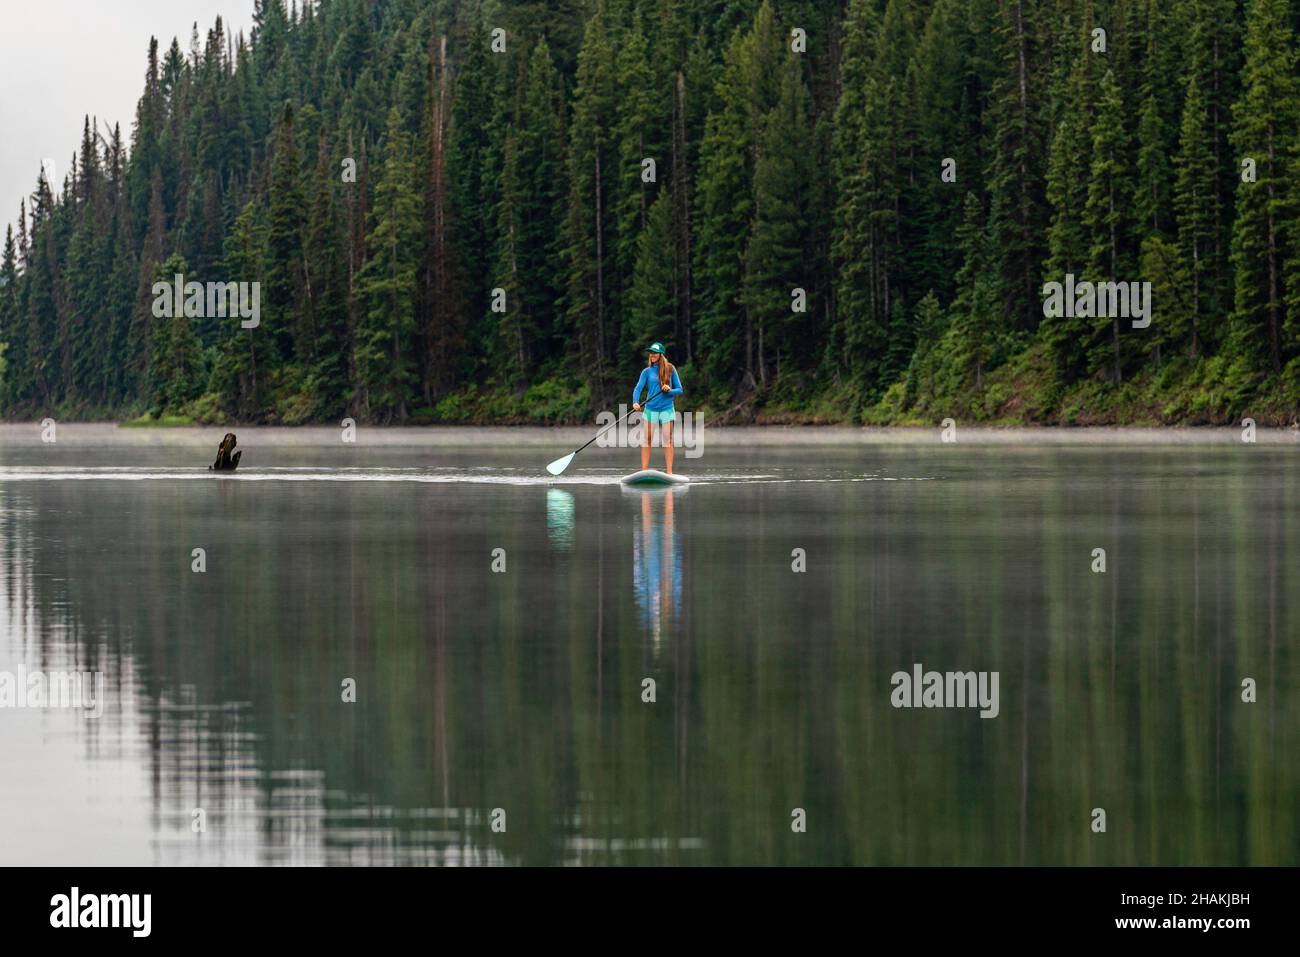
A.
x: 522, y: 690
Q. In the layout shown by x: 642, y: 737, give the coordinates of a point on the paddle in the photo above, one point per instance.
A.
x: 562, y: 463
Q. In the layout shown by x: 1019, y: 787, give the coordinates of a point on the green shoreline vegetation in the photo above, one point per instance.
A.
x: 480, y: 213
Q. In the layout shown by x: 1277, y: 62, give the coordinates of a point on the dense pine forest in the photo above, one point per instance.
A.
x: 483, y: 212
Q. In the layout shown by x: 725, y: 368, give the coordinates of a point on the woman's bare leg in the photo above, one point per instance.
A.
x: 666, y: 432
x: 646, y: 429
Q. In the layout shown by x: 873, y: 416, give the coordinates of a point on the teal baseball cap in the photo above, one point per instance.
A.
x: 656, y: 347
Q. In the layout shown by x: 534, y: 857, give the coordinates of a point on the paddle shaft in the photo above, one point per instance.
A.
x: 604, y: 430
x: 612, y: 424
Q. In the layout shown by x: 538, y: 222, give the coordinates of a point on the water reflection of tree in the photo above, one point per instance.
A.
x: 519, y: 690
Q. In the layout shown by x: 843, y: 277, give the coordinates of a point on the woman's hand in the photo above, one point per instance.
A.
x: 636, y: 406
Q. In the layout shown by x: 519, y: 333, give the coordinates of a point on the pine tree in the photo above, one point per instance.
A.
x: 1158, y: 126
x: 176, y: 371
x: 590, y: 220
x: 722, y: 212
x: 118, y: 354
x: 1017, y: 208
x: 240, y: 372
x: 650, y: 296
x: 325, y: 296
x: 532, y: 205
x: 1173, y: 317
x: 146, y: 155
x: 1265, y: 130
x: 859, y: 335
x: 892, y: 135
x: 1106, y: 214
x: 1212, y: 36
x: 641, y: 132
x: 443, y: 325
x: 775, y: 259
x: 282, y: 285
x: 973, y: 314
x: 516, y: 329
x: 928, y: 324
x: 8, y: 314
x: 938, y: 79
x: 1068, y: 163
x: 1194, y: 197
x: 469, y: 145
x: 42, y: 317
x: 385, y: 348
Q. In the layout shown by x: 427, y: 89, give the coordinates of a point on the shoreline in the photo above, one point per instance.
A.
x: 206, y: 437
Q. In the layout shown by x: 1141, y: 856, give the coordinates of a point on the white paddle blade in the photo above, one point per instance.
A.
x: 559, y: 465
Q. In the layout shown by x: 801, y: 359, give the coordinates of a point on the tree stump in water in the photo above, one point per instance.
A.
x: 226, y: 462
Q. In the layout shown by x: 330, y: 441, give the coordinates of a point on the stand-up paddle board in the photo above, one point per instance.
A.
x: 654, y: 477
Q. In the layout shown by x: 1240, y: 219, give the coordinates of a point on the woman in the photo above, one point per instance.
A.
x: 659, y: 379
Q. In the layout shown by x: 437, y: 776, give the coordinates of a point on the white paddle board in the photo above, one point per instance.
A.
x: 654, y: 477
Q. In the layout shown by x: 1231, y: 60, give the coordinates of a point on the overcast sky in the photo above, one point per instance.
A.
x: 63, y: 59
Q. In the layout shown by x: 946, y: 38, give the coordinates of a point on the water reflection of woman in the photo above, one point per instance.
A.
x: 656, y: 566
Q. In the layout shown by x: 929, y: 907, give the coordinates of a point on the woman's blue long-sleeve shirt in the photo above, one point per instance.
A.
x: 660, y: 400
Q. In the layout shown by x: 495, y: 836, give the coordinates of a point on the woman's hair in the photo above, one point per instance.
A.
x: 665, y: 371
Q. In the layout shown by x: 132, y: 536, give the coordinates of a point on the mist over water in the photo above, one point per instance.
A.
x: 522, y: 690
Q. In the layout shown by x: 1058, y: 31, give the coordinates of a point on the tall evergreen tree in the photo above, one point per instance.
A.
x: 722, y: 216
x: 385, y: 347
x: 650, y: 295
x: 239, y: 376
x: 1194, y: 199
x: 590, y: 221
x: 776, y: 261
x: 531, y: 207
x: 1110, y: 188
x: 1017, y: 214
x: 859, y: 335
x: 325, y: 296
x: 283, y: 271
x: 8, y: 313
x: 1266, y: 121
